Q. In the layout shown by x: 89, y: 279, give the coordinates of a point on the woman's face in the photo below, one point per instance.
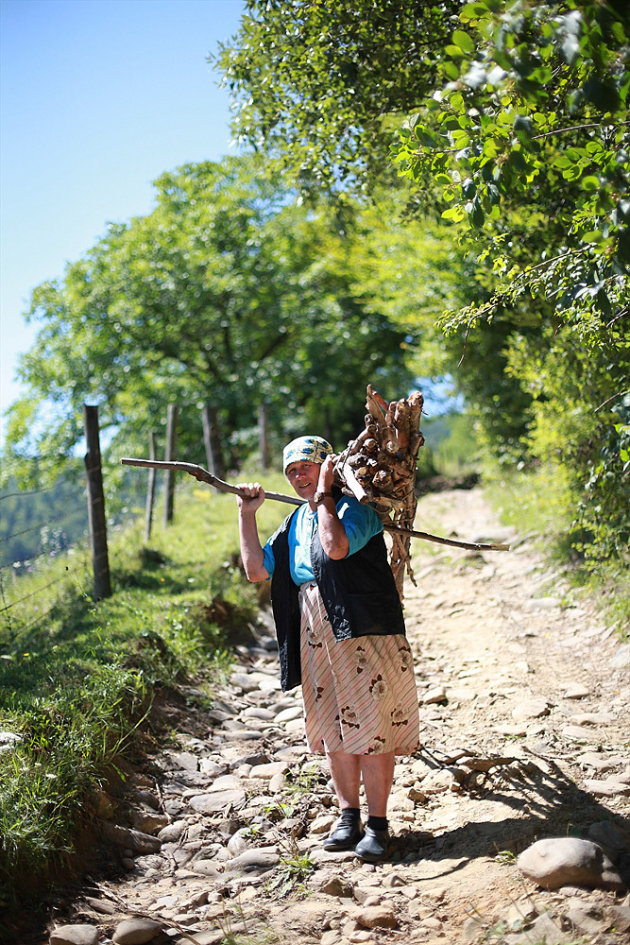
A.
x: 304, y: 477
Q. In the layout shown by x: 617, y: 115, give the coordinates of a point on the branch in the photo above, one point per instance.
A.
x: 202, y: 475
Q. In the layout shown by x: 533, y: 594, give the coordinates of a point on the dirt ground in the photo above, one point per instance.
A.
x: 524, y: 705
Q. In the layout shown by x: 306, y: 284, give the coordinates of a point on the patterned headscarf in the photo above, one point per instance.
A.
x: 311, y: 449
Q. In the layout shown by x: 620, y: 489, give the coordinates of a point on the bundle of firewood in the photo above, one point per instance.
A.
x: 379, y: 467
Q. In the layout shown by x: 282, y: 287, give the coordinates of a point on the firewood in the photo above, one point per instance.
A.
x: 379, y: 467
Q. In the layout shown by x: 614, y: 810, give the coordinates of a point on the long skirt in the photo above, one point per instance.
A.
x: 359, y: 695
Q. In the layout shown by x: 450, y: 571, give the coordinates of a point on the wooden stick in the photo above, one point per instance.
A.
x: 202, y: 475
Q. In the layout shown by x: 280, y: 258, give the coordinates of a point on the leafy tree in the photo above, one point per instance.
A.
x: 528, y: 140
x: 227, y: 293
x: 320, y: 82
x: 518, y: 135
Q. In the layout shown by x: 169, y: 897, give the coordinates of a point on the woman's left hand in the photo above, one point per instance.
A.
x: 326, y: 475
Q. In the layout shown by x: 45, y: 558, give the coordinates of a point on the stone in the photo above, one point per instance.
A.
x: 74, y: 935
x: 213, y: 769
x: 256, y: 860
x: 610, y: 787
x: 576, y: 691
x: 377, y: 917
x: 9, y: 740
x: 268, y: 770
x: 217, y: 801
x: 172, y: 832
x: 543, y: 929
x: 620, y: 916
x: 206, y: 867
x: 134, y: 840
x: 585, y: 918
x: 136, y: 931
x: 621, y: 659
x: 530, y: 709
x: 609, y: 837
x: 435, y: 695
x: 148, y: 821
x: 331, y: 884
x: 185, y: 760
x: 562, y: 861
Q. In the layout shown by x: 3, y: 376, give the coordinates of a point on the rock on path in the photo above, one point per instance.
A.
x: 524, y: 705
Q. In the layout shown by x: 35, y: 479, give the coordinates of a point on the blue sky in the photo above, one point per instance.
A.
x: 98, y: 98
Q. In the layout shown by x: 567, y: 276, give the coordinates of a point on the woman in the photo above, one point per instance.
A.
x: 341, y: 634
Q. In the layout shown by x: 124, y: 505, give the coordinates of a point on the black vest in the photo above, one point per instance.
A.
x: 358, y: 591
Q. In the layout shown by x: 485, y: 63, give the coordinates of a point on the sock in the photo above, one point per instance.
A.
x: 350, y: 814
x: 377, y: 823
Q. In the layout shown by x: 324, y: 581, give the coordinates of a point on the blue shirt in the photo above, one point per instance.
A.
x: 361, y: 523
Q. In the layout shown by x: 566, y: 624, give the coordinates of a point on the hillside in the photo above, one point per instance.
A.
x: 514, y: 673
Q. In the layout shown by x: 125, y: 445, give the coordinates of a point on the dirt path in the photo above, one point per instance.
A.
x: 525, y: 707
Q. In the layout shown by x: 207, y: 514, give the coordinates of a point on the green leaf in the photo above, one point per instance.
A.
x: 590, y: 183
x: 464, y: 41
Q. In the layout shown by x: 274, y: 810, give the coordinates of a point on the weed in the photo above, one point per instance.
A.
x: 294, y: 870
x: 77, y: 677
x: 505, y: 856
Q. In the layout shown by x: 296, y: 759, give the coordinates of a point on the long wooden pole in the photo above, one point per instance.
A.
x: 204, y: 476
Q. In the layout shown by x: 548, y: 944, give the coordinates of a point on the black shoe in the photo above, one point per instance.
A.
x: 374, y: 846
x: 345, y: 836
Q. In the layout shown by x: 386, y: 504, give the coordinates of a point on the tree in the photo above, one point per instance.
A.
x: 529, y: 131
x: 519, y: 137
x: 322, y: 83
x: 228, y: 293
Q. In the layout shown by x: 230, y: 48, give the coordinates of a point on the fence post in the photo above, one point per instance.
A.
x: 96, y: 504
x: 212, y: 442
x: 148, y: 518
x: 171, y: 456
x: 263, y: 436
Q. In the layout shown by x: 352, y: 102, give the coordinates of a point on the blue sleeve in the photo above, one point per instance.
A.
x: 360, y: 522
x: 269, y: 561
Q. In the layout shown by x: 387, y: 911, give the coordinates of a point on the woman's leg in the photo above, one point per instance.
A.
x: 345, y: 771
x: 378, y: 778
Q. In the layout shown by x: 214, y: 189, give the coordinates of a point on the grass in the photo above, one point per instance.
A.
x: 535, y: 504
x: 78, y: 678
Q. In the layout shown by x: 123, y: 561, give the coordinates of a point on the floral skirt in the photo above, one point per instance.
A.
x: 359, y: 695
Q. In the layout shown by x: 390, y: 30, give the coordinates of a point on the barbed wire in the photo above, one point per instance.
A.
x: 13, y: 495
x: 32, y: 528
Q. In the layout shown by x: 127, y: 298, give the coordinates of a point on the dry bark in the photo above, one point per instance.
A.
x: 379, y: 467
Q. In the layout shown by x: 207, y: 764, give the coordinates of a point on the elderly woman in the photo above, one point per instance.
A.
x: 341, y: 635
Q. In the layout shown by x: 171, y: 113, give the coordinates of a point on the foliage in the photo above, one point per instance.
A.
x: 519, y: 137
x: 77, y: 678
x: 318, y: 82
x: 41, y: 523
x: 531, y: 114
x: 227, y: 293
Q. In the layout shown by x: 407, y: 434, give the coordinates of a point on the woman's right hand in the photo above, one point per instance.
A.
x: 252, y: 498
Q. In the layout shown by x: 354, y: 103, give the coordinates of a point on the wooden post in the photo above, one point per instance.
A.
x: 171, y: 454
x: 148, y: 520
x: 263, y: 436
x: 212, y: 441
x: 96, y: 504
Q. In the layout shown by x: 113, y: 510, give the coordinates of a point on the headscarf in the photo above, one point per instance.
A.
x: 311, y: 449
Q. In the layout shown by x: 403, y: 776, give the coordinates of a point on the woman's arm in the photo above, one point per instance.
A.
x: 251, y: 548
x: 332, y: 534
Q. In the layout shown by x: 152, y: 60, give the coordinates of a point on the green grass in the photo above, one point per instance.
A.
x: 536, y: 503
x: 77, y: 677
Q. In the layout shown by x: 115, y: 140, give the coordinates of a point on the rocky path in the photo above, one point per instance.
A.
x: 525, y: 725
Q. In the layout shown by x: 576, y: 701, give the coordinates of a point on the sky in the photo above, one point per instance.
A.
x: 97, y: 99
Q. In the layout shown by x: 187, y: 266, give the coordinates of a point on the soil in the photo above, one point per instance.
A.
x: 524, y: 706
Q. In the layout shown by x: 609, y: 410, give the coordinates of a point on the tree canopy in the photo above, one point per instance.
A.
x: 510, y: 123
x: 228, y: 294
